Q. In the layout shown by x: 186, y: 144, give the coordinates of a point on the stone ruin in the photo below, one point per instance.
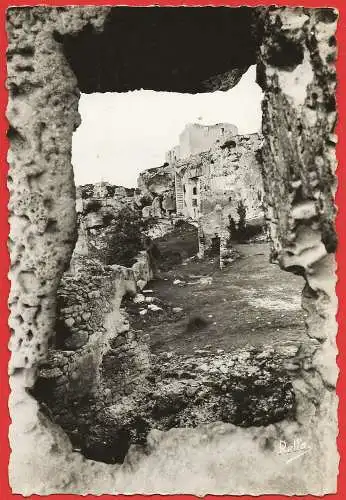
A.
x: 212, y: 186
x: 52, y: 54
x: 101, y: 383
x: 208, y: 178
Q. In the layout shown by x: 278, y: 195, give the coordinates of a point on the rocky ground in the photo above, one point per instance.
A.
x: 223, y: 349
x: 194, y: 304
x: 222, y: 343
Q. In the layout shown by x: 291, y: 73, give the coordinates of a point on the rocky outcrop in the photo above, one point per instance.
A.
x: 156, y: 186
x: 110, y: 394
x: 112, y: 230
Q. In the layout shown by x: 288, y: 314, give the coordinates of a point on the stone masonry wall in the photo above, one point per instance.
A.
x: 96, y: 358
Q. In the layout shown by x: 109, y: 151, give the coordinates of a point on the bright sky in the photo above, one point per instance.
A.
x: 122, y: 134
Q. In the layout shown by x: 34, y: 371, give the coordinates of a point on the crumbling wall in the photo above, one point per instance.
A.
x: 217, y: 182
x: 196, y: 138
x: 96, y: 358
x: 234, y: 178
x: 85, y: 296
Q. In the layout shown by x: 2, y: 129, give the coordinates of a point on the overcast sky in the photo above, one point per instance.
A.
x: 122, y: 134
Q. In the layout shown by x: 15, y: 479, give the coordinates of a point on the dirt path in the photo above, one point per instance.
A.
x: 250, y: 302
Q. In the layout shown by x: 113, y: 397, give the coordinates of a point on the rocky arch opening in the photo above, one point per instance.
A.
x: 219, y: 77
x: 109, y: 348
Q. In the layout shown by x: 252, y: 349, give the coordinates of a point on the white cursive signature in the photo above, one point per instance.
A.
x: 294, y: 450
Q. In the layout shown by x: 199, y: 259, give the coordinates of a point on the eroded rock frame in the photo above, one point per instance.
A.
x: 55, y: 52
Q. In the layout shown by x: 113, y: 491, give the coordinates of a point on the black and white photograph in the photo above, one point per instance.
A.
x: 172, y: 241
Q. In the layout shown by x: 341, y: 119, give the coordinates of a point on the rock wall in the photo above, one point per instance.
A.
x: 101, y: 209
x: 111, y: 228
x: 296, y: 69
x: 295, y: 45
x: 156, y: 186
x: 96, y: 359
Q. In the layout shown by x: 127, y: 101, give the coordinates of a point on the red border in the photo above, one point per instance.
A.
x: 341, y: 224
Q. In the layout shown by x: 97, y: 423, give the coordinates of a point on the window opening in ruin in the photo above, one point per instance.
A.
x: 151, y: 274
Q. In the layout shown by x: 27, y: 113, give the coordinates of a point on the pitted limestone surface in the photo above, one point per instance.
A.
x: 298, y: 173
x: 42, y: 113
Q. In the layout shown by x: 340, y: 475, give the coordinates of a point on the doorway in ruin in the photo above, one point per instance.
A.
x: 168, y: 336
x: 215, y: 246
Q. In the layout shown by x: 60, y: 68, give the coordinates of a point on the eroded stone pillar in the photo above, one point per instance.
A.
x: 42, y: 113
x: 297, y: 73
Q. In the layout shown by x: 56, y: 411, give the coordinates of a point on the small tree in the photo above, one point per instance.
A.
x: 232, y: 230
x: 241, y: 210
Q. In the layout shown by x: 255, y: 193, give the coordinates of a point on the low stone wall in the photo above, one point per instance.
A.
x: 85, y: 296
x: 96, y: 359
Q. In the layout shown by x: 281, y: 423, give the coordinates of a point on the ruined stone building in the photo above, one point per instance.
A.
x: 206, y: 177
x: 196, y: 138
x: 217, y: 174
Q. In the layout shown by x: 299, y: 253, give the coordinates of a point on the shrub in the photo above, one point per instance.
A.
x: 196, y: 323
x: 125, y: 240
x: 242, y: 231
x: 92, y: 206
x: 241, y: 210
x: 228, y: 144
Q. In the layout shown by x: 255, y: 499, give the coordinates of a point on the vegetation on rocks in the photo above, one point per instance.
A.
x: 125, y: 238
